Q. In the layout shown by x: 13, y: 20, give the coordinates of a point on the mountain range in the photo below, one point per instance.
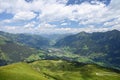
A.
x: 17, y: 47
x: 81, y: 56
x: 98, y: 46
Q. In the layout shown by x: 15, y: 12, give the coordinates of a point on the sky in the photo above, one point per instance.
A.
x: 59, y: 16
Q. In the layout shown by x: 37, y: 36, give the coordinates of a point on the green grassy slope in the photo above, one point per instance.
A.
x: 56, y: 70
x: 63, y: 70
x: 19, y: 71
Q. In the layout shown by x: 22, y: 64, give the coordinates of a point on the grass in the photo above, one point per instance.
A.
x: 63, y: 70
x: 56, y: 70
x: 19, y: 71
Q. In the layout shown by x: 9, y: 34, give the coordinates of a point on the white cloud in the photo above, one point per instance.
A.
x: 30, y: 25
x: 20, y: 16
x: 56, y: 10
x: 63, y: 24
x: 13, y: 6
x: 115, y: 4
x: 24, y: 15
x: 46, y: 26
x: 52, y: 30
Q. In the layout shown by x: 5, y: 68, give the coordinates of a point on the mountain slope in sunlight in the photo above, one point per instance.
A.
x: 19, y: 71
x: 57, y: 70
x: 98, y: 46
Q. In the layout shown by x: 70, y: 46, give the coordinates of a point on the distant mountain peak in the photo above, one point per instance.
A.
x: 115, y: 30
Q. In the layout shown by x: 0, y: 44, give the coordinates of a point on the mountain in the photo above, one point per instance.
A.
x: 18, y: 47
x: 75, y: 57
x: 19, y: 71
x: 3, y: 58
x: 35, y: 41
x: 101, y: 47
x: 53, y: 38
x: 13, y: 52
x: 57, y: 70
x: 72, y: 2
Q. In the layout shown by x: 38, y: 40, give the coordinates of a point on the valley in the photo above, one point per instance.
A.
x: 59, y: 39
x: 82, y: 56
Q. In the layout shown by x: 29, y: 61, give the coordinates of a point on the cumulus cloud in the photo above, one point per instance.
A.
x: 24, y: 16
x: 63, y: 24
x: 13, y: 6
x: 57, y: 11
x: 41, y: 13
x: 115, y: 4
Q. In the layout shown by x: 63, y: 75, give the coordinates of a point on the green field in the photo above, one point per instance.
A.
x: 56, y: 70
x: 19, y: 71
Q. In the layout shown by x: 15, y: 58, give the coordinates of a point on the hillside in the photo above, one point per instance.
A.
x: 19, y: 71
x: 11, y: 51
x: 53, y: 38
x: 31, y: 40
x: 101, y: 47
x: 16, y: 52
x: 17, y: 47
x: 57, y: 70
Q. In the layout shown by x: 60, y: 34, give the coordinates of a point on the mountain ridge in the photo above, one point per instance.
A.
x: 56, y: 70
x: 97, y: 46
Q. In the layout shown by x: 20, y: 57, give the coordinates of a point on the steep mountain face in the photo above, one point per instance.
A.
x: 16, y: 52
x: 3, y: 58
x: 100, y: 47
x: 72, y: 2
x: 53, y: 38
x: 17, y: 47
x: 13, y: 51
x: 35, y: 41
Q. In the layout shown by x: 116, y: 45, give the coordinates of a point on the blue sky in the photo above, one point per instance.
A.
x: 57, y: 16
